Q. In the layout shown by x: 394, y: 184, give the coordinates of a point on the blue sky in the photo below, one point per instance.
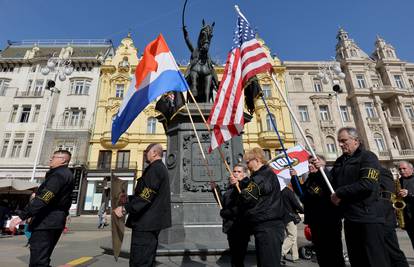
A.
x: 294, y: 29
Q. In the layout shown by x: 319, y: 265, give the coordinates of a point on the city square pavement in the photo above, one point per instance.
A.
x: 81, y: 247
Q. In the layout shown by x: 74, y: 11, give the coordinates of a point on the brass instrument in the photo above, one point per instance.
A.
x: 398, y: 204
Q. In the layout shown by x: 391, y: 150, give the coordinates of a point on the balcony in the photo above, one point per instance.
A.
x: 387, y: 91
x: 394, y: 121
x: 373, y: 120
x: 269, y: 139
x: 70, y: 125
x: 327, y: 123
x: 106, y: 142
x: 26, y: 93
x: 383, y: 154
x: 407, y: 152
x: 106, y: 166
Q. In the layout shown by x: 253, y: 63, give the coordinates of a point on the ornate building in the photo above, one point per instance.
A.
x: 125, y: 159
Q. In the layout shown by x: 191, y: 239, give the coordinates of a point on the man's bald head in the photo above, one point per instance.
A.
x: 153, y: 152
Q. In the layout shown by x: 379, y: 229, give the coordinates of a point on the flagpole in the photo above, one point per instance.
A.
x: 219, y: 148
x: 202, y: 153
x: 301, y: 132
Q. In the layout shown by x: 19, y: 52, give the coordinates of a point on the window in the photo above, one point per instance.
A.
x: 119, y: 91
x: 36, y: 113
x: 330, y: 145
x: 104, y: 160
x: 267, y: 90
x: 361, y: 81
x: 399, y: 81
x: 38, y: 88
x: 324, y: 113
x: 13, y: 113
x: 410, y: 111
x: 74, y: 117
x: 17, y: 145
x: 269, y: 125
x: 298, y: 84
x: 303, y: 113
x: 151, y: 125
x: 24, y: 117
x: 344, y: 113
x: 80, y: 87
x: 3, y: 86
x: 369, y: 108
x: 317, y: 85
x: 29, y: 145
x: 268, y: 155
x: 411, y: 82
x: 5, y: 145
x: 122, y: 160
x: 379, y: 141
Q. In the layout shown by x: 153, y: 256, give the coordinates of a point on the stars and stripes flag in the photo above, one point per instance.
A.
x: 246, y: 59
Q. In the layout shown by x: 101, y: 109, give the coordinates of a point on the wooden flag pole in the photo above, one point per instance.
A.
x: 219, y: 148
x: 301, y: 131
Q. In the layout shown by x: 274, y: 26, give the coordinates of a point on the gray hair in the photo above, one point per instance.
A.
x: 409, y: 164
x: 351, y: 131
x: 243, y: 166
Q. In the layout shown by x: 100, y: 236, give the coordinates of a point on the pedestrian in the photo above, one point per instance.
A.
x: 355, y: 177
x: 102, y: 216
x: 49, y: 209
x: 407, y: 192
x: 322, y: 216
x: 263, y: 209
x: 238, y: 235
x: 149, y: 209
x: 4, y: 214
x: 387, y: 188
x: 292, y: 208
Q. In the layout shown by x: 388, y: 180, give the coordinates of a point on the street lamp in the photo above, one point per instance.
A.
x: 62, y: 66
x: 331, y: 72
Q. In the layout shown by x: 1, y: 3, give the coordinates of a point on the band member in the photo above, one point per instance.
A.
x: 49, y: 209
x: 149, y: 209
x: 234, y: 226
x: 407, y: 192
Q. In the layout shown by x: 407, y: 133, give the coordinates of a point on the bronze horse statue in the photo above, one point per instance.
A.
x: 200, y: 74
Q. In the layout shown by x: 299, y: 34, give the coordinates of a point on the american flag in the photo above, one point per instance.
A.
x: 246, y: 59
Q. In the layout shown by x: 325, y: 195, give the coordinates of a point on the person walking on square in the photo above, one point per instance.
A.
x: 263, y: 209
x: 355, y: 175
x: 49, y: 209
x: 149, y: 209
x: 407, y: 192
x: 234, y: 226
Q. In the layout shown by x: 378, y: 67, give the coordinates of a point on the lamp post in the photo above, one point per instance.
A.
x: 331, y: 72
x: 62, y: 66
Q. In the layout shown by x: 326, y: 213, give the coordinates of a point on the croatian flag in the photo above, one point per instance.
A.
x: 156, y: 74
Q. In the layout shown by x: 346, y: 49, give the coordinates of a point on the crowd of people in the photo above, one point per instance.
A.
x: 255, y: 205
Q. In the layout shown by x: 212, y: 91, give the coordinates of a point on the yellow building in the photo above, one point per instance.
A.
x: 125, y: 159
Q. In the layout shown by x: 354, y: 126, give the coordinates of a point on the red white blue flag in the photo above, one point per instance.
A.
x: 156, y: 74
x: 246, y: 59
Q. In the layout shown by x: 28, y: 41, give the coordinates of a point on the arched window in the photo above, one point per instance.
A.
x: 330, y: 145
x: 151, y: 125
x: 379, y: 141
x: 269, y: 126
x: 298, y: 84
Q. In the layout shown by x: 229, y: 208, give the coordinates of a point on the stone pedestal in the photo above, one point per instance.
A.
x: 195, y: 213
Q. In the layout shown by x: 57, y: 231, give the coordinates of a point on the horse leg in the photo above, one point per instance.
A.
x: 193, y: 79
x: 207, y: 88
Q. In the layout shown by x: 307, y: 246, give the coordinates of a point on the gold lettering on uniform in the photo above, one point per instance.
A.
x: 316, y: 190
x: 373, y: 174
x: 146, y: 193
x: 250, y: 187
x: 47, y: 196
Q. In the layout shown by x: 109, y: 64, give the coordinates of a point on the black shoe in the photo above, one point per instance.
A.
x: 282, y: 263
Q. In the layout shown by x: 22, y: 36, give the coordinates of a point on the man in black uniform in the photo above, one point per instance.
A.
x: 263, y: 209
x: 149, y: 209
x: 407, y: 192
x: 234, y: 226
x: 49, y: 209
x: 387, y: 187
x: 355, y: 176
x: 322, y: 216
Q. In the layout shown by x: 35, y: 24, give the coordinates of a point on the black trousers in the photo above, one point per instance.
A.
x: 409, y: 227
x: 238, y: 241
x: 327, y: 240
x: 268, y: 242
x: 143, y: 248
x: 42, y: 243
x: 397, y: 257
x: 365, y: 243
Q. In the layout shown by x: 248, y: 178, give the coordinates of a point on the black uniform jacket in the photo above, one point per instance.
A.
x: 290, y: 204
x: 408, y: 183
x: 50, y: 207
x: 316, y: 199
x: 232, y: 207
x: 356, y: 179
x: 150, y: 207
x: 262, y: 198
x: 387, y: 186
